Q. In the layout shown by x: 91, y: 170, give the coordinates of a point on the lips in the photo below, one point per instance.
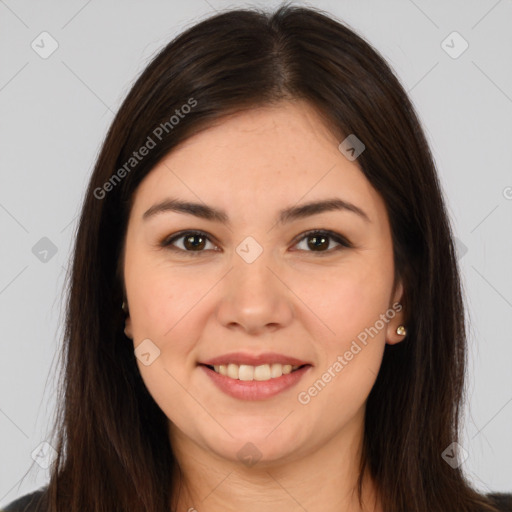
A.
x: 239, y: 358
x: 254, y: 389
x: 254, y: 376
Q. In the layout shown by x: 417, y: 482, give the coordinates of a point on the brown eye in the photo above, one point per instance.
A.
x: 194, y: 242
x: 320, y: 241
x: 189, y: 242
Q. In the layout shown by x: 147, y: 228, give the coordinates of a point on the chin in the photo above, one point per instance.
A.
x: 257, y: 447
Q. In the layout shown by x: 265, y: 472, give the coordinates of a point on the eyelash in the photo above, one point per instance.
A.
x: 344, y: 243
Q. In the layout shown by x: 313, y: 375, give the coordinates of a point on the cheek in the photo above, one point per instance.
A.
x: 165, y: 306
x: 347, y: 300
x: 160, y: 297
x: 351, y: 304
x: 350, y: 358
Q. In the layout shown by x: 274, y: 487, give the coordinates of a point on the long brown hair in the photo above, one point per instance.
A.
x: 111, y: 437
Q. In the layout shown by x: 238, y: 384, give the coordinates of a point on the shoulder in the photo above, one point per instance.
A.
x: 29, y: 502
x: 26, y: 503
x: 502, y: 501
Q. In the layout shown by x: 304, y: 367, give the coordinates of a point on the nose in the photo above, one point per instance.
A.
x: 255, y: 298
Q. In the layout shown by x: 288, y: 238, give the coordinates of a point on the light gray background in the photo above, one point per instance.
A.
x: 55, y: 112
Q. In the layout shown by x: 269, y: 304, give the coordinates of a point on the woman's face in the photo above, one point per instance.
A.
x: 255, y: 291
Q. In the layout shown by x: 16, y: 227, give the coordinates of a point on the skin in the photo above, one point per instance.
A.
x: 293, y: 300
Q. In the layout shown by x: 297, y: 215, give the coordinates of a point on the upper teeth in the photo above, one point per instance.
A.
x: 247, y: 372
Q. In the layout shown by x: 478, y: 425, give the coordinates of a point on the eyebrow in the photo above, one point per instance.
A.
x: 285, y: 216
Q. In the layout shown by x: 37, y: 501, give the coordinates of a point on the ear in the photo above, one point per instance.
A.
x: 128, y: 327
x: 392, y: 337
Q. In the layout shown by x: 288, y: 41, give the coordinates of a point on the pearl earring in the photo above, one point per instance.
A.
x: 401, y: 330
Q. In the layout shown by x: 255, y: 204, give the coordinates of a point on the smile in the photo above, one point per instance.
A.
x: 247, y: 372
x: 243, y: 383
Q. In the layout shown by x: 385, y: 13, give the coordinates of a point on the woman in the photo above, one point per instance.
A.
x: 265, y: 308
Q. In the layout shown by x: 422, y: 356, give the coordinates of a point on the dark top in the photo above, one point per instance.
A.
x: 28, y: 502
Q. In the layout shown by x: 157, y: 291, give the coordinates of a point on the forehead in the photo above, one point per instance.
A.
x: 257, y: 161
